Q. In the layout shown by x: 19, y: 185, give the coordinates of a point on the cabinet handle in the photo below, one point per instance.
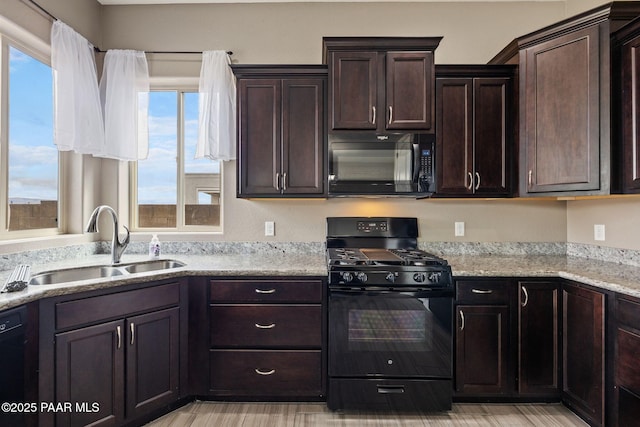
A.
x: 261, y: 372
x: 477, y: 180
x: 526, y: 296
x: 390, y: 114
x: 132, y: 329
x: 271, y: 326
x: 119, y: 337
x: 482, y: 291
x: 530, y: 178
x: 265, y: 291
x: 278, y: 181
x: 461, y: 320
x: 470, y: 181
x: 373, y: 115
x: 284, y: 181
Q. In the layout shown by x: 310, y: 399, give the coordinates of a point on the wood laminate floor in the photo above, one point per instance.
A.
x: 223, y: 414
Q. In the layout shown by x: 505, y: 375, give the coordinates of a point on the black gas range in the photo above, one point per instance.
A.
x: 390, y: 318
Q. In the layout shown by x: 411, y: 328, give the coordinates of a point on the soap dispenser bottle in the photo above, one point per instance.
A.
x: 154, y: 247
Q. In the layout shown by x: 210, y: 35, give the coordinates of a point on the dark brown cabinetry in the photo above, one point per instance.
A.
x: 539, y: 311
x: 474, y: 142
x: 119, y: 354
x: 381, y: 83
x: 627, y: 55
x: 266, y: 339
x: 482, y: 357
x: 566, y: 82
x: 583, y: 346
x: 281, y: 130
x: 626, y: 395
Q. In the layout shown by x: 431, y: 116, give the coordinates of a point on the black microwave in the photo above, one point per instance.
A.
x: 367, y: 164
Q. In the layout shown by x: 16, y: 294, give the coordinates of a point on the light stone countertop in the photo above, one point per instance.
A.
x: 606, y: 275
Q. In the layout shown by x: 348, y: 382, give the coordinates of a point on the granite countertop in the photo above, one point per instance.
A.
x: 606, y: 275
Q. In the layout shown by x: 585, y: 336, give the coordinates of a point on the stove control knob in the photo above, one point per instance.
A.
x: 361, y: 276
x: 434, y: 277
x: 390, y: 277
x: 347, y: 276
x: 420, y: 277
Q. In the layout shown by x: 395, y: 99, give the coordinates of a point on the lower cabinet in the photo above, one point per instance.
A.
x: 626, y: 396
x: 120, y: 362
x: 583, y: 345
x: 266, y: 339
x: 507, y: 340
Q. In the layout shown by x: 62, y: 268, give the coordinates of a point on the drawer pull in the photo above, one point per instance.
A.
x: 265, y: 291
x: 271, y: 326
x: 133, y: 332
x: 119, y: 337
x: 390, y: 389
x: 526, y: 297
x: 461, y: 320
x: 482, y: 291
x: 261, y: 372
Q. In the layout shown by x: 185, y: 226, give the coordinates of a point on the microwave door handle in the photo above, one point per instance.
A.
x: 416, y: 162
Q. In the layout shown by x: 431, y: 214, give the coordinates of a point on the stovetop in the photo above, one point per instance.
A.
x: 375, y: 257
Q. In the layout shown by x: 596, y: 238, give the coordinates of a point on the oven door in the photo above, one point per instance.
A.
x: 394, y: 334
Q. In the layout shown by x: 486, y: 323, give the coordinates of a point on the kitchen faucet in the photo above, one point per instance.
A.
x: 117, y: 247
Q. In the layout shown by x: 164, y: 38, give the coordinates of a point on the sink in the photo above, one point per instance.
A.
x: 143, y: 267
x: 74, y: 275
x: 68, y: 275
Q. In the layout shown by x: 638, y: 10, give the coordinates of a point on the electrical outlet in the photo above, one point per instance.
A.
x: 459, y: 229
x: 598, y: 232
x: 269, y: 228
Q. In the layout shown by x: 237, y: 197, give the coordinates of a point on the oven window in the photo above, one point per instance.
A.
x: 387, y: 325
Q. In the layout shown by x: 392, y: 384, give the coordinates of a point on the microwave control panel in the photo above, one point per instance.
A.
x: 426, y: 162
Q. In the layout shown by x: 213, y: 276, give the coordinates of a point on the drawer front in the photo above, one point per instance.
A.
x: 627, y: 368
x: 89, y: 310
x: 265, y: 373
x: 628, y: 313
x: 264, y: 326
x: 482, y: 292
x: 269, y: 291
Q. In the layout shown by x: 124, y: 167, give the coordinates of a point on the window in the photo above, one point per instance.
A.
x: 172, y: 190
x: 30, y: 159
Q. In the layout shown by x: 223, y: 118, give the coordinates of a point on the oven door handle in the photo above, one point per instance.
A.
x: 406, y: 292
x: 390, y: 389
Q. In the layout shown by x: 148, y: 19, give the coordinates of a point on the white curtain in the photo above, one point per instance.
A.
x: 78, y: 124
x: 217, y: 108
x: 124, y: 90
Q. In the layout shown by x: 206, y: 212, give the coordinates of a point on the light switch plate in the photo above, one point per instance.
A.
x: 269, y: 228
x: 459, y: 229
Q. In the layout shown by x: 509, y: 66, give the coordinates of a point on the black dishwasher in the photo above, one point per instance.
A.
x: 12, y: 365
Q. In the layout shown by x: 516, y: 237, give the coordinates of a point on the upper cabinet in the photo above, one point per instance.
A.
x: 475, y: 106
x: 566, y: 96
x: 381, y: 83
x: 281, y: 130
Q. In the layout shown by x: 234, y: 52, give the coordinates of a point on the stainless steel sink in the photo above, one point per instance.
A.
x: 143, y: 267
x: 69, y: 275
x: 74, y: 275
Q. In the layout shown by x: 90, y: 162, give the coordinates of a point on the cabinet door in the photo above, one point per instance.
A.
x: 303, y: 136
x: 538, y: 367
x: 259, y: 135
x: 482, y: 340
x: 153, y: 350
x: 410, y: 93
x: 454, y: 139
x: 630, y: 113
x: 491, y: 136
x: 90, y: 369
x: 353, y: 94
x: 626, y: 401
x: 583, y: 352
x: 561, y: 127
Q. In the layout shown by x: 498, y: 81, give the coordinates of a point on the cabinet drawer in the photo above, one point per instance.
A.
x: 265, y: 325
x: 89, y: 310
x: 265, y: 373
x: 628, y: 313
x: 482, y: 292
x: 247, y: 291
x: 627, y: 368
